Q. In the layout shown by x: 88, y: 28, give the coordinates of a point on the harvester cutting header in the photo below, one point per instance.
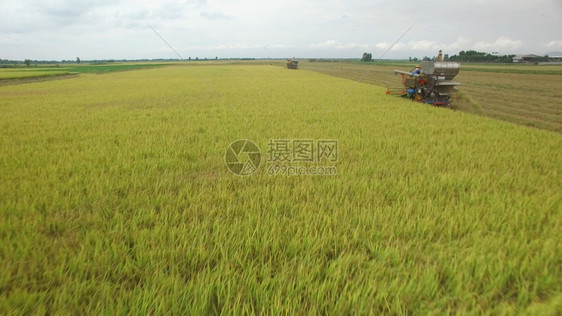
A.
x: 430, y: 82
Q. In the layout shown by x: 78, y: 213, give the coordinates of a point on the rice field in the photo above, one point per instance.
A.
x: 115, y: 199
x: 15, y: 74
x: 21, y: 73
x: 524, y: 94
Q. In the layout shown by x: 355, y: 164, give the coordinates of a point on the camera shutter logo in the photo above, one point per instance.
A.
x: 243, y: 157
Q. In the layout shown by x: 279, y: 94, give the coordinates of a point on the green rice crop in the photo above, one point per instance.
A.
x: 36, y: 72
x: 25, y: 73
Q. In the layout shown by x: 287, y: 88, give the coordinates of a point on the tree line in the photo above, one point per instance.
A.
x: 475, y: 56
x: 465, y: 56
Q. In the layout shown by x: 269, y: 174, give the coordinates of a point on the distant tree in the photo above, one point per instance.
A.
x: 410, y: 59
x: 446, y: 57
x: 27, y: 62
x: 367, y: 57
x: 415, y: 59
x: 217, y: 58
x: 189, y: 58
x: 77, y: 60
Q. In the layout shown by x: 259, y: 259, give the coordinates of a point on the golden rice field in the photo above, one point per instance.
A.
x: 523, y: 94
x: 115, y: 199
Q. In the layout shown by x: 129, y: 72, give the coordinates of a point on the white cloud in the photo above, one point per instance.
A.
x: 333, y: 44
x: 215, y: 15
x: 424, y: 45
x: 383, y: 45
x: 502, y: 44
x: 554, y: 45
x: 460, y: 44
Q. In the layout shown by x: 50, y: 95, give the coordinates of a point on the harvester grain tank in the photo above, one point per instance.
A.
x: 431, y: 82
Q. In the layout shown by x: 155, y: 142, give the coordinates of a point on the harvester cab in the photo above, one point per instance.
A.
x: 292, y: 64
x: 431, y: 83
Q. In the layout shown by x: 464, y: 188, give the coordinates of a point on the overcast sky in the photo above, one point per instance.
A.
x: 119, y: 29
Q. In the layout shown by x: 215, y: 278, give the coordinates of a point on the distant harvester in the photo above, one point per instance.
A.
x: 292, y: 64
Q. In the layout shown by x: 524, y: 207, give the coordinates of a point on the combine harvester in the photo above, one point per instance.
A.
x: 431, y: 82
x: 292, y: 64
